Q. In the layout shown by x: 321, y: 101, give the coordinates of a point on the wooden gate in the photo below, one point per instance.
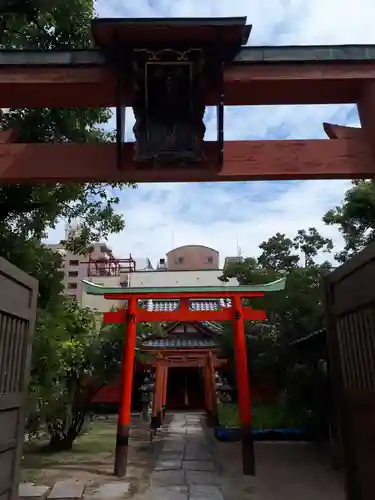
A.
x: 350, y: 308
x: 18, y: 297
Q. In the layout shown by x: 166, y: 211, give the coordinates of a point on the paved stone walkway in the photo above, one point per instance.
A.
x: 185, y: 469
x: 193, y: 466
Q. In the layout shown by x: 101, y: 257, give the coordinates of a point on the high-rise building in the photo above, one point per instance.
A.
x: 99, y: 262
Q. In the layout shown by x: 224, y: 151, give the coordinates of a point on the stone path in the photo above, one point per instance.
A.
x: 193, y: 466
x: 185, y: 469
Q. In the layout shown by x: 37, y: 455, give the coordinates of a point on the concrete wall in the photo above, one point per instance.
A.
x: 97, y: 302
x: 152, y: 279
x: 178, y: 278
x: 192, y: 257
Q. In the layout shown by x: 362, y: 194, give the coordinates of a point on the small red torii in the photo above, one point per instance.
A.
x: 187, y: 309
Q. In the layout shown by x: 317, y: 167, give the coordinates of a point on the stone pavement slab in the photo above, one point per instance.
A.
x: 170, y: 456
x: 168, y: 478
x: 207, y: 492
x: 110, y: 491
x: 198, y: 477
x: 31, y: 490
x: 197, y: 455
x: 168, y: 465
x: 186, y: 463
x: 67, y: 490
x: 198, y: 465
x: 167, y: 493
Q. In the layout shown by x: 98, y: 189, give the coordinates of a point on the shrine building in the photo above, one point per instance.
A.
x: 186, y: 346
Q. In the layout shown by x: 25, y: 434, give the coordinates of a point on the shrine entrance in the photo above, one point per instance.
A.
x: 190, y: 305
x: 201, y: 62
x: 185, y: 389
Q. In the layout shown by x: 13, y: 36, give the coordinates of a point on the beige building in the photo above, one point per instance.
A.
x: 190, y: 265
x: 190, y: 258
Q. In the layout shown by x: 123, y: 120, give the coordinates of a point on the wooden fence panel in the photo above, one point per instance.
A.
x: 350, y: 311
x: 18, y: 298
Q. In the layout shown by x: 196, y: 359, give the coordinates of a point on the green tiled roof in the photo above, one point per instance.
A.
x: 93, y: 289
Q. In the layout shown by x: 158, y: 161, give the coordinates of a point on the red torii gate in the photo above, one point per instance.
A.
x: 136, y: 311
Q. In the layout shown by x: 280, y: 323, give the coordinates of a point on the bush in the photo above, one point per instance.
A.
x: 264, y: 417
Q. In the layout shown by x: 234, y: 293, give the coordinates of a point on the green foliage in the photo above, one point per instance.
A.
x: 291, y: 314
x: 67, y: 365
x: 28, y: 211
x: 355, y: 218
x: 298, y: 309
x: 263, y: 417
x: 228, y: 415
x: 65, y: 353
x: 55, y: 25
x: 310, y: 243
x: 277, y: 254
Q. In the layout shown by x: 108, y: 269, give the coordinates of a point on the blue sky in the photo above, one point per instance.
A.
x: 159, y: 217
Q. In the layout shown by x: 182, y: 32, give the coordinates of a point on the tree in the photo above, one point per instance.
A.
x: 248, y: 271
x: 27, y: 211
x: 310, y: 242
x: 67, y: 345
x: 73, y: 359
x: 63, y: 357
x: 297, y: 310
x: 355, y: 218
x: 277, y: 253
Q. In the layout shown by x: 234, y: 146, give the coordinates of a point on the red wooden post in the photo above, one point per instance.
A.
x: 165, y: 385
x: 158, y: 394
x: 123, y: 423
x: 243, y: 388
x: 206, y: 389
x: 211, y: 396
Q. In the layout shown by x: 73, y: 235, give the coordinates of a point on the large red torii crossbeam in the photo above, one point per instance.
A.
x: 233, y: 75
x: 135, y: 310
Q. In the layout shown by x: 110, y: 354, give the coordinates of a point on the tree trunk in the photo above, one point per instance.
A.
x: 63, y: 441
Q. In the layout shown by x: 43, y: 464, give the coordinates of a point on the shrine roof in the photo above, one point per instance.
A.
x: 203, y: 335
x: 170, y: 31
x: 93, y: 289
x: 249, y: 54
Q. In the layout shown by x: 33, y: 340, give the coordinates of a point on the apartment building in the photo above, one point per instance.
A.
x: 98, y: 262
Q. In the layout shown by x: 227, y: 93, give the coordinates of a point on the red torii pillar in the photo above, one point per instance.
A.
x: 243, y: 387
x: 165, y: 388
x: 212, y: 397
x: 158, y: 393
x: 127, y: 370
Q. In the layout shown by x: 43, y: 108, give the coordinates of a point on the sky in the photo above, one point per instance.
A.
x: 226, y: 216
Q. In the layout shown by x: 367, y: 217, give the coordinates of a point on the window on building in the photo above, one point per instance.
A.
x: 74, y: 263
x: 209, y: 259
x: 103, y: 249
x: 73, y: 274
x: 72, y: 286
x: 179, y: 260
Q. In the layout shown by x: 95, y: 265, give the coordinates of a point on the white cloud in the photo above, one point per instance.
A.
x: 159, y: 217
